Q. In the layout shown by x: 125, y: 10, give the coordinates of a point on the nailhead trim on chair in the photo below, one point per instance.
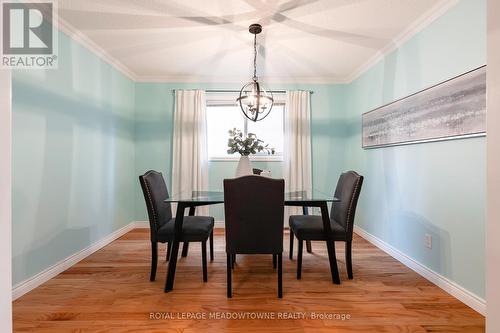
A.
x: 151, y: 203
x: 349, y: 211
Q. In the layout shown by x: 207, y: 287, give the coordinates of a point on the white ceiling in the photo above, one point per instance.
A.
x: 208, y: 41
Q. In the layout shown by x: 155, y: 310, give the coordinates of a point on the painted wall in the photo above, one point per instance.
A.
x: 434, y: 188
x: 493, y: 153
x: 5, y: 203
x: 153, y: 136
x: 73, y: 158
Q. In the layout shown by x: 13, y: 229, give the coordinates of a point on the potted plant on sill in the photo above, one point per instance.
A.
x: 245, y: 147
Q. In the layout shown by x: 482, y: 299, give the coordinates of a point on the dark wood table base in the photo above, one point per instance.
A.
x: 179, y: 217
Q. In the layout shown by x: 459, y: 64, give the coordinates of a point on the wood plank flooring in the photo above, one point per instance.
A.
x: 110, y: 292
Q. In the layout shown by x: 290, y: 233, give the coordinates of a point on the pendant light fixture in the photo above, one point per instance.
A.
x: 255, y: 102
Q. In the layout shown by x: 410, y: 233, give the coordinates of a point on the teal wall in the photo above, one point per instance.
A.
x: 436, y: 188
x: 73, y: 158
x: 153, y: 136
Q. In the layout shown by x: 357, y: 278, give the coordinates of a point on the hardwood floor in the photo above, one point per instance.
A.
x: 110, y: 292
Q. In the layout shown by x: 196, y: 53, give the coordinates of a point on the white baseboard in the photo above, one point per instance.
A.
x: 475, y: 302
x: 465, y: 296
x: 141, y: 224
x: 29, y: 284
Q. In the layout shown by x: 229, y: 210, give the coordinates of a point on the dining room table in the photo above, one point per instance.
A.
x: 305, y: 199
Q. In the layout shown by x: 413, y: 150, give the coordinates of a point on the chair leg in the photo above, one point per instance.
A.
x: 185, y: 248
x: 291, y: 245
x: 348, y: 259
x: 169, y: 249
x: 229, y: 268
x: 212, y: 246
x: 204, y: 260
x: 299, y: 259
x: 274, y: 261
x: 154, y: 260
x: 334, y: 270
x: 280, y: 276
x: 305, y: 211
x: 233, y: 260
x: 309, y: 246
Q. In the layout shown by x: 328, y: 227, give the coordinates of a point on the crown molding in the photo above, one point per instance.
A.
x: 420, y: 24
x: 81, y: 38
x: 440, y: 8
x: 238, y: 80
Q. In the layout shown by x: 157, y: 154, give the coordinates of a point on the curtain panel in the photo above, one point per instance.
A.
x: 297, y: 155
x: 190, y: 161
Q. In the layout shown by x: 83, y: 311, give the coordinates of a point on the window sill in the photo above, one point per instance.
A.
x: 252, y: 158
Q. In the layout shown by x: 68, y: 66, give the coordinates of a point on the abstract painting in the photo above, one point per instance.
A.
x: 452, y: 109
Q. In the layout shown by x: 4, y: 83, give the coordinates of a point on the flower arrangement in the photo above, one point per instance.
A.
x: 246, y: 146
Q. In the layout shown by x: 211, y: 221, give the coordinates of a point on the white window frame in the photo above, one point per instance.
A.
x: 229, y: 99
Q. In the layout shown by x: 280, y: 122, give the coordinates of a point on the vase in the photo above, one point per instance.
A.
x: 244, y: 167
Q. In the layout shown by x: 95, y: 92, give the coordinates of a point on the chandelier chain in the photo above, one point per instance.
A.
x: 255, y: 57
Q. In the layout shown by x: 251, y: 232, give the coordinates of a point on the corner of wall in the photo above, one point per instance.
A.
x: 5, y: 202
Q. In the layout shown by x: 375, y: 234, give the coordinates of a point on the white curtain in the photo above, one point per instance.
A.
x: 297, y: 154
x: 190, y: 161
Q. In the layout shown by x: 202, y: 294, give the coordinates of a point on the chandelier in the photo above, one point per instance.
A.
x: 255, y: 102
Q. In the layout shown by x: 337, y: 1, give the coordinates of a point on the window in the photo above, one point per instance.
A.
x: 224, y: 114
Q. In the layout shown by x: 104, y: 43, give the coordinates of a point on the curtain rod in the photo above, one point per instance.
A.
x: 237, y: 91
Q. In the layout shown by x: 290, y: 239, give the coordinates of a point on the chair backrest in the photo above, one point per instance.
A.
x: 347, y: 191
x: 254, y: 208
x: 155, y: 192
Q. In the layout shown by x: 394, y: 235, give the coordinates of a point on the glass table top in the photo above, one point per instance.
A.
x: 218, y: 196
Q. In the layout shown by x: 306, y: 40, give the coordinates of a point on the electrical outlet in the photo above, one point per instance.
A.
x: 428, y: 241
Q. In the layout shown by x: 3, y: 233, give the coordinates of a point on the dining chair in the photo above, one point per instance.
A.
x: 310, y: 227
x: 161, y: 222
x: 254, y: 209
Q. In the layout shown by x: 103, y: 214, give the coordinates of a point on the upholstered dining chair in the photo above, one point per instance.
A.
x: 161, y: 222
x: 254, y: 209
x: 310, y: 227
